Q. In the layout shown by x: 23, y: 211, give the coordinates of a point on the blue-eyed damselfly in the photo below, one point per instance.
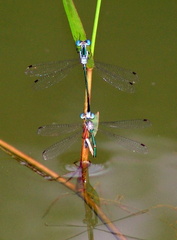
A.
x: 51, y: 73
x: 58, y: 129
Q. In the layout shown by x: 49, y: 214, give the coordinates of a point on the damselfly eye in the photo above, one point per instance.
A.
x: 92, y: 115
x: 82, y: 115
x: 78, y: 43
x: 88, y: 42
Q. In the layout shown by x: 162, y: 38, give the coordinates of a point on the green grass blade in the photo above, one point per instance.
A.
x: 77, y: 28
x: 75, y: 23
x: 95, y: 26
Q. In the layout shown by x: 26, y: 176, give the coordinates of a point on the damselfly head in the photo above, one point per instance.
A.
x: 80, y: 43
x: 87, y: 116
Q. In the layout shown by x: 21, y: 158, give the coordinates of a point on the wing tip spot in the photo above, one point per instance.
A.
x: 131, y: 83
x: 143, y: 145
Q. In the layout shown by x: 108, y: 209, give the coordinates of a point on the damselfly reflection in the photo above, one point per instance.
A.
x: 91, y: 225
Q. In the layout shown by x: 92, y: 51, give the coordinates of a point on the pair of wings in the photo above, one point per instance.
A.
x: 61, y: 146
x: 51, y: 73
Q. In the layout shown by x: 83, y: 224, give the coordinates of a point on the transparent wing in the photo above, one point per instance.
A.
x: 60, y: 147
x: 127, y: 143
x: 135, y: 123
x: 120, y: 78
x: 94, y: 170
x: 57, y: 129
x: 50, y: 73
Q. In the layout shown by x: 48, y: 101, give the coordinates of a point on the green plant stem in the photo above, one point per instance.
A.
x: 95, y: 26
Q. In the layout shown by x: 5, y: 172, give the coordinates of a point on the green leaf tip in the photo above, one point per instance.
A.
x: 75, y: 23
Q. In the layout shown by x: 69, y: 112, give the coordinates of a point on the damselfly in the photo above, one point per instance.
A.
x: 91, y: 122
x: 59, y: 129
x: 83, y: 51
x: 51, y: 73
x: 61, y: 146
x: 84, y: 55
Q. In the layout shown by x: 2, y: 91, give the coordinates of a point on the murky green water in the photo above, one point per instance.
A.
x: 133, y: 34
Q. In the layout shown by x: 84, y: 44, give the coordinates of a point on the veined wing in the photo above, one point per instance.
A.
x: 127, y: 143
x: 94, y: 170
x: 120, y: 78
x: 135, y: 123
x: 57, y: 129
x: 50, y: 73
x: 60, y: 147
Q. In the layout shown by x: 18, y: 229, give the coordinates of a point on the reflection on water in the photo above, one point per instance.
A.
x: 94, y: 170
x: 146, y: 182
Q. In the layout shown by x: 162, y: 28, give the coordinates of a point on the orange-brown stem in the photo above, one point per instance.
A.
x: 26, y: 160
x: 89, y: 84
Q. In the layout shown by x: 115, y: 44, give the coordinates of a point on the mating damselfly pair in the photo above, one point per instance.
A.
x: 51, y: 73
